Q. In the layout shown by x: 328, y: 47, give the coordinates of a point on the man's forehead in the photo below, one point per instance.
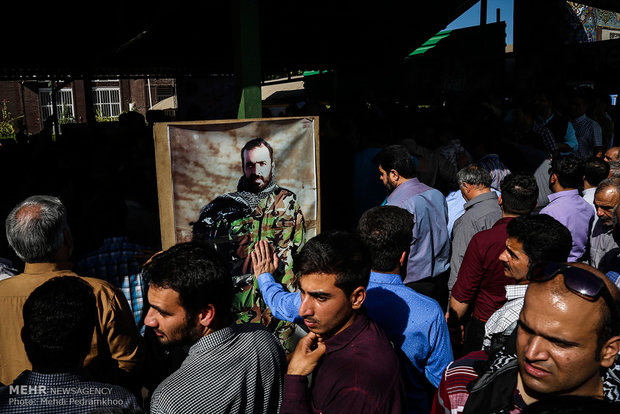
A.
x: 257, y: 153
x: 164, y: 296
x: 318, y: 281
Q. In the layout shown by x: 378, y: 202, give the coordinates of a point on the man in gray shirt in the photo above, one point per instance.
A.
x: 230, y: 368
x: 481, y: 212
x: 606, y: 197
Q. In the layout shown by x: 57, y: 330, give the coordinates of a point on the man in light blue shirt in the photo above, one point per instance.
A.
x: 413, y: 322
x: 428, y: 261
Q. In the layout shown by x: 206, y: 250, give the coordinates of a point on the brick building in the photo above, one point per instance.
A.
x: 30, y: 101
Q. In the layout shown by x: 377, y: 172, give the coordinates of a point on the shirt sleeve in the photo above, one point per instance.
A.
x: 570, y: 138
x: 598, y: 134
x: 295, y: 395
x: 283, y: 304
x: 441, y: 350
x: 462, y: 234
x: 470, y: 274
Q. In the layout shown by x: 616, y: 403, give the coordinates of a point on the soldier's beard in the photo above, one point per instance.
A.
x: 258, y: 183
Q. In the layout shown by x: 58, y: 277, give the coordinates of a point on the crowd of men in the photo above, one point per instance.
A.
x: 479, y: 288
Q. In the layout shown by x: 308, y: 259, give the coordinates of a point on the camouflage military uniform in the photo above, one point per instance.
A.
x: 230, y: 221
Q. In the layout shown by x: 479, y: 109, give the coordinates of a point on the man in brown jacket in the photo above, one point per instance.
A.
x: 37, y: 230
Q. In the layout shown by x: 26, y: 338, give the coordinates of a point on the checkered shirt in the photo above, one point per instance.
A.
x: 507, y: 314
x: 66, y: 393
x: 589, y: 135
x: 238, y: 369
x: 119, y: 262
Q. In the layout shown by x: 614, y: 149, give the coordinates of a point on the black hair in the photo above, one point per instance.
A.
x: 569, y: 169
x: 197, y: 272
x: 396, y: 157
x: 595, y: 170
x: 387, y: 233
x: 335, y: 252
x: 59, y: 320
x: 519, y: 193
x: 543, y: 238
x: 255, y: 143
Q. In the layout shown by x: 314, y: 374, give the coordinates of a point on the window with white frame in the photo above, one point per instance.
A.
x: 107, y: 101
x: 64, y: 104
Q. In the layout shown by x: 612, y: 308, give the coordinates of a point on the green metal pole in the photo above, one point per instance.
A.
x: 248, y: 59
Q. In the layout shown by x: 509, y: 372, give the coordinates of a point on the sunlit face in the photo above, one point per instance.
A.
x: 168, y: 318
x: 557, y: 343
x: 326, y: 309
x: 516, y: 262
x: 605, y: 201
x: 385, y: 178
x: 257, y: 166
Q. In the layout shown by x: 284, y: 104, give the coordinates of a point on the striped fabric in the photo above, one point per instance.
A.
x: 238, y: 369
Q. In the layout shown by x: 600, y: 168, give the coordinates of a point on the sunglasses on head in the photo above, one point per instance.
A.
x: 579, y: 281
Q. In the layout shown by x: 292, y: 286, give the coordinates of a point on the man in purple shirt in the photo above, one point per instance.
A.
x: 428, y: 263
x: 354, y: 367
x: 566, y: 205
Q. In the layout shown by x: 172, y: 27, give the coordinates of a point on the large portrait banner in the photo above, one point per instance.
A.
x: 235, y: 182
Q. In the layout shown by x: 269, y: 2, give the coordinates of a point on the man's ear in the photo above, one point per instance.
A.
x: 206, y: 315
x: 609, y: 351
x: 499, y: 200
x: 358, y: 296
x: 403, y: 258
x: 394, y: 174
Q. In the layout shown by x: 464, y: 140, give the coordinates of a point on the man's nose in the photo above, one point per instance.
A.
x: 150, y: 320
x: 305, y: 309
x: 536, y: 349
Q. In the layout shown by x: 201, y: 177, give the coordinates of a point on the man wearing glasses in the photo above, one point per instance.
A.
x: 566, y: 344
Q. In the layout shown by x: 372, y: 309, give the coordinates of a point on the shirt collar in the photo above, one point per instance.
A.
x: 210, y: 341
x: 41, y: 268
x: 480, y: 198
x: 385, y: 278
x: 344, y: 338
x: 515, y: 291
x: 565, y: 193
x: 31, y: 377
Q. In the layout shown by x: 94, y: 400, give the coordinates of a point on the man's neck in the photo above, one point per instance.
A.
x: 478, y: 191
x: 558, y: 189
x: 391, y: 272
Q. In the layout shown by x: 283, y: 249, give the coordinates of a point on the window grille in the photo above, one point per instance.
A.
x: 107, y: 101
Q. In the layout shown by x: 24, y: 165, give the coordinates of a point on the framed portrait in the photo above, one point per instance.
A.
x: 235, y: 182
x: 197, y: 161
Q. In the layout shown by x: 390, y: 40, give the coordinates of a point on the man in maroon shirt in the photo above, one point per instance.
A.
x: 354, y: 367
x: 479, y: 289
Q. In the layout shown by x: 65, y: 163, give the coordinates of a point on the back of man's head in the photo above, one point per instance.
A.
x: 595, y: 170
x: 35, y: 228
x: 59, y: 319
x: 198, y: 273
x: 614, y: 168
x: 474, y: 175
x: 519, y: 193
x: 398, y: 158
x: 387, y: 232
x: 339, y: 253
x: 543, y: 237
x: 569, y: 171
